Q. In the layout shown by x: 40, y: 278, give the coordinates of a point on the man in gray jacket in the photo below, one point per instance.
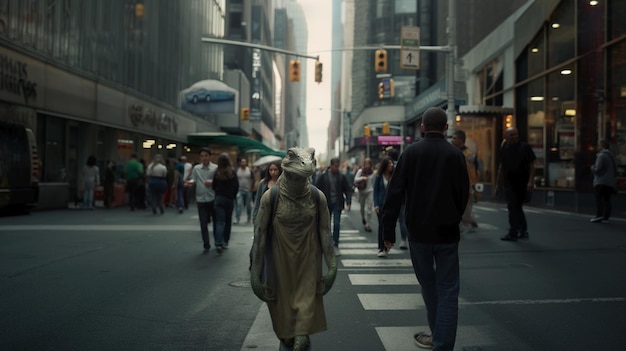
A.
x: 604, y: 181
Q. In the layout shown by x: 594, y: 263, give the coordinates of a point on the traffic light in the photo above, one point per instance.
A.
x: 381, y: 90
x: 294, y: 70
x: 386, y: 128
x: 380, y: 64
x: 245, y: 114
x: 139, y: 10
x: 318, y: 72
x: 366, y: 131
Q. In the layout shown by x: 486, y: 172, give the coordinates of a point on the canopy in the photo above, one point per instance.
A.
x: 244, y: 144
x: 266, y: 159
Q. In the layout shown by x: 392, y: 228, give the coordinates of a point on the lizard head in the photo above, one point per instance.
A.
x: 300, y: 162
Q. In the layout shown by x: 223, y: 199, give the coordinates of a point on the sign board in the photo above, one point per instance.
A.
x: 410, y: 47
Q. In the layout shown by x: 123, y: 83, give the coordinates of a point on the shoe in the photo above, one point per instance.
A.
x: 225, y: 246
x: 180, y: 210
x: 382, y: 253
x: 403, y: 245
x: 337, y: 252
x: 207, y: 247
x: 523, y: 236
x: 368, y: 228
x: 364, y: 221
x: 509, y: 237
x: 219, y: 250
x: 423, y: 340
x: 595, y: 219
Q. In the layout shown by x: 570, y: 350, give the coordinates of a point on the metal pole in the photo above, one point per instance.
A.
x: 451, y: 59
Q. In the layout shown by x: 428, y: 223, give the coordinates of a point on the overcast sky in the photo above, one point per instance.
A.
x: 318, y: 18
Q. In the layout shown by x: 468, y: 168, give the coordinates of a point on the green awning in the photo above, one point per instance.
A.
x: 244, y: 144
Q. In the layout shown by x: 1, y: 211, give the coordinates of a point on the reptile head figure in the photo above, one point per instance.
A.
x: 300, y: 162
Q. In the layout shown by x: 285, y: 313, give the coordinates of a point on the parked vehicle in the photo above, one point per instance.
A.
x: 19, y: 168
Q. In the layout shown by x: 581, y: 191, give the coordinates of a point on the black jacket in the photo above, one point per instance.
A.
x: 431, y: 175
x: 344, y: 189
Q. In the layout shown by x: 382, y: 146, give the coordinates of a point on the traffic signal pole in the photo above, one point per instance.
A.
x: 258, y: 46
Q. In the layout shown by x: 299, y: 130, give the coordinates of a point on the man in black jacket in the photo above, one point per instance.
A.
x: 431, y: 176
x: 338, y: 192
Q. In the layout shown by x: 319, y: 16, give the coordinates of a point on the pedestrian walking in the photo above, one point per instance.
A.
x: 381, y: 182
x: 157, y: 183
x: 225, y: 185
x: 338, y: 194
x: 274, y: 170
x: 515, y: 176
x: 134, y: 174
x: 471, y: 161
x: 91, y: 179
x: 179, y: 181
x: 202, y: 178
x: 246, y: 179
x: 404, y: 231
x: 604, y: 181
x: 364, y: 182
x: 432, y: 177
x: 188, y: 192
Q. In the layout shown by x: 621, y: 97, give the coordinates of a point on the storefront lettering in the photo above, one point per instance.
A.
x: 14, y: 78
x: 141, y: 116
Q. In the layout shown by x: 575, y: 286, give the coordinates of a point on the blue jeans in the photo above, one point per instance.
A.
x: 436, y: 267
x: 244, y: 199
x: 206, y: 211
x: 402, y: 222
x: 224, y: 218
x: 335, y: 212
x: 88, y: 195
x: 180, y: 197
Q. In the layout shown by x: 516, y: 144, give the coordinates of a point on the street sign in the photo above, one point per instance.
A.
x: 410, y: 47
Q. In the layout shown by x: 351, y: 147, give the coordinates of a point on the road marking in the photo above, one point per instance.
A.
x: 376, y: 263
x: 373, y: 252
x: 467, y: 338
x: 391, y: 302
x: 383, y: 279
x: 358, y: 246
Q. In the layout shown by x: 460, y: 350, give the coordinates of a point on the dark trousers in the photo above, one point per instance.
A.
x: 515, y: 196
x: 131, y: 187
x: 603, y: 201
x: 206, y: 214
x: 224, y: 219
x: 108, y: 194
x: 381, y: 240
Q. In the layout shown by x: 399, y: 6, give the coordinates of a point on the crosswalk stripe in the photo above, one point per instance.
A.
x: 358, y: 245
x: 391, y: 302
x: 467, y: 338
x: 345, y: 252
x: 383, y: 279
x: 376, y: 263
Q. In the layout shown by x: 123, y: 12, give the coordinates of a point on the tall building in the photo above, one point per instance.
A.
x: 105, y: 78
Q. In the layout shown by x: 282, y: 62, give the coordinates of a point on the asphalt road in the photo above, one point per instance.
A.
x: 120, y: 280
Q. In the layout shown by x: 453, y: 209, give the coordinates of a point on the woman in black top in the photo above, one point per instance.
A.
x: 226, y: 185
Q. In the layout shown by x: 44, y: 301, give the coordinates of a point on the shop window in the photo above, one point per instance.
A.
x: 480, y: 138
x: 561, y: 129
x: 616, y: 128
x: 561, y: 33
x: 536, y: 127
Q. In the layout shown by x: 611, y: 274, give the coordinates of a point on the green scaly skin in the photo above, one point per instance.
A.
x: 298, y: 166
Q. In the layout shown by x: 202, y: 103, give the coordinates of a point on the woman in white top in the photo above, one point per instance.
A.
x: 364, y: 181
x: 91, y: 179
x: 157, y: 173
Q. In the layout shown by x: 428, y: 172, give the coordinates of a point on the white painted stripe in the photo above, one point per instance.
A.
x: 349, y: 231
x: 261, y: 335
x: 467, y: 337
x: 358, y: 245
x: 546, y: 301
x: 351, y: 238
x: 376, y: 263
x: 391, y: 302
x: 345, y: 252
x: 383, y: 279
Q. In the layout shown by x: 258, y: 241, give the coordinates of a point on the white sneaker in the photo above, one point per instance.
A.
x: 337, y: 252
x: 403, y: 245
x: 382, y: 253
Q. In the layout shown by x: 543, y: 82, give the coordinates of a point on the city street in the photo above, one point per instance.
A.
x: 121, y: 280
